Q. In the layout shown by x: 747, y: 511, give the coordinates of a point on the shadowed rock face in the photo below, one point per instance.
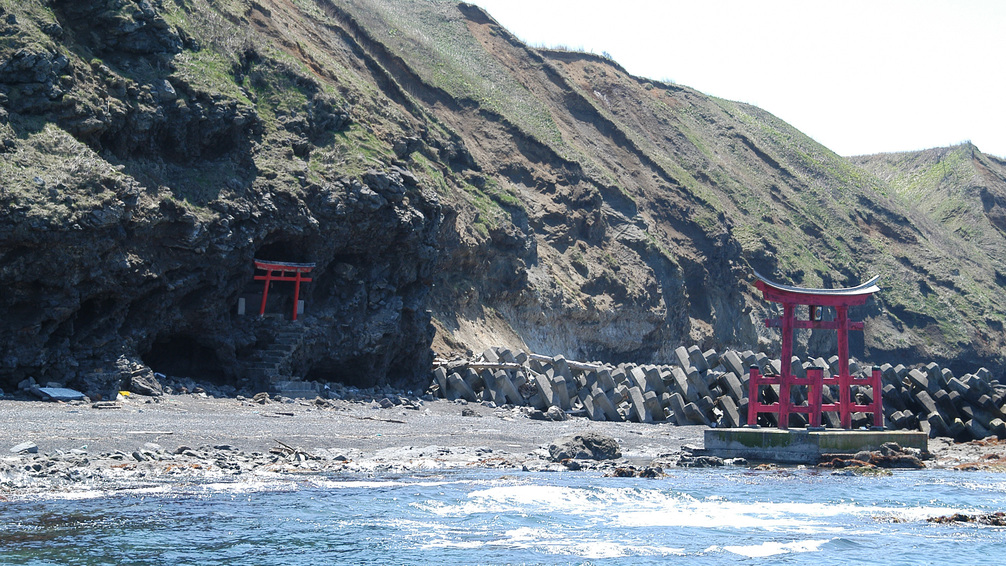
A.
x: 442, y: 173
x: 131, y: 254
x: 157, y: 283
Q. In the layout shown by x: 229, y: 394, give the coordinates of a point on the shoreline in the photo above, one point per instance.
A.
x: 191, y: 437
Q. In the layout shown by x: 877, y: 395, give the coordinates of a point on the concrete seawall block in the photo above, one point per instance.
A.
x: 607, y: 408
x: 677, y: 407
x: 594, y: 413
x: 731, y: 415
x: 682, y: 358
x: 509, y: 390
x: 440, y: 376
x: 545, y: 392
x: 694, y: 415
x: 697, y: 360
x: 605, y: 381
x: 489, y: 355
x: 460, y: 388
x: 637, y: 405
x: 651, y: 403
x: 697, y: 380
x: 733, y: 362
x: 560, y: 392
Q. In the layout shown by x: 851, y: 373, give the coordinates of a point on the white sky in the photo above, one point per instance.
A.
x: 859, y: 76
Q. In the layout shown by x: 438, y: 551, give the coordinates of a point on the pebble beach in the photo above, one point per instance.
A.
x: 53, y: 446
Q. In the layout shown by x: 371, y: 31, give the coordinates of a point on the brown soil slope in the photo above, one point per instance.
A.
x: 648, y: 205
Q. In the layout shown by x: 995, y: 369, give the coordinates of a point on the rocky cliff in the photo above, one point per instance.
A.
x: 453, y: 187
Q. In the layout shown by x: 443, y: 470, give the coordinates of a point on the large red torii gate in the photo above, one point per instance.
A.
x: 841, y: 300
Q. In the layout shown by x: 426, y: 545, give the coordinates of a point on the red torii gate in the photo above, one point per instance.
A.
x: 841, y: 300
x: 282, y: 271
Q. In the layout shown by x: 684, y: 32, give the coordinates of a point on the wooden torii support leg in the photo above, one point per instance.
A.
x: 844, y: 379
x: 786, y: 363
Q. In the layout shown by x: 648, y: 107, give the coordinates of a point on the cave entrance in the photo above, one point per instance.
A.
x: 283, y: 250
x: 182, y: 355
x: 355, y: 372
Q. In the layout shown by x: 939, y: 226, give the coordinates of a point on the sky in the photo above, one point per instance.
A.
x: 858, y: 76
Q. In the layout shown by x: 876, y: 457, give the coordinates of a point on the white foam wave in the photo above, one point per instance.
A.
x: 366, y: 484
x: 254, y: 486
x: 770, y: 548
x: 86, y: 493
x: 634, y: 507
x: 546, y: 541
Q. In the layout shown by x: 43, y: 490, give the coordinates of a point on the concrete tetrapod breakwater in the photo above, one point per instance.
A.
x: 711, y: 388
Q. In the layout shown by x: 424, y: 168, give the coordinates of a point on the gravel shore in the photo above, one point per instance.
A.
x: 365, y: 427
x: 169, y: 438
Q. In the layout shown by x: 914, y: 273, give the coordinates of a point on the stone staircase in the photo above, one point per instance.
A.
x: 270, y: 364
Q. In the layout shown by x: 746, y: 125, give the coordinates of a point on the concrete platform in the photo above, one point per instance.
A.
x: 799, y: 446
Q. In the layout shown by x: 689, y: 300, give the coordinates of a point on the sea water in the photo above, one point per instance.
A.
x: 719, y: 516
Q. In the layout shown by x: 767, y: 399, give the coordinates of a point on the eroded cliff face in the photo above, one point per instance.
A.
x: 138, y: 191
x: 454, y: 187
x: 645, y: 207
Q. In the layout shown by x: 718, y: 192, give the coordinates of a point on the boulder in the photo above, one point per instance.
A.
x: 586, y: 446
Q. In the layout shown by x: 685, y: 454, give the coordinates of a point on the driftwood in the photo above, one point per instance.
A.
x: 453, y: 364
x: 396, y: 421
x: 582, y: 366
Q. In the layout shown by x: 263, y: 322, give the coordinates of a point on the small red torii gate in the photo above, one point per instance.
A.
x: 282, y: 271
x: 841, y: 300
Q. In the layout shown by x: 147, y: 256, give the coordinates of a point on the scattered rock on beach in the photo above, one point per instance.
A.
x: 890, y: 455
x: 586, y: 446
x: 551, y: 414
x: 689, y: 461
x: 106, y: 405
x: 25, y: 448
x: 634, y: 472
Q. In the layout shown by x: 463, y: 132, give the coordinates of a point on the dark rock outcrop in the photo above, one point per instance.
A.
x: 586, y: 446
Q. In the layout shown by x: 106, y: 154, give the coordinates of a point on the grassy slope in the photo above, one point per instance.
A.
x: 958, y: 194
x: 797, y: 211
x: 807, y: 215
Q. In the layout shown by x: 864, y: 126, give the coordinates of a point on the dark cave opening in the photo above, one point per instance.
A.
x: 92, y: 311
x: 182, y: 355
x: 288, y: 250
x: 355, y: 372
